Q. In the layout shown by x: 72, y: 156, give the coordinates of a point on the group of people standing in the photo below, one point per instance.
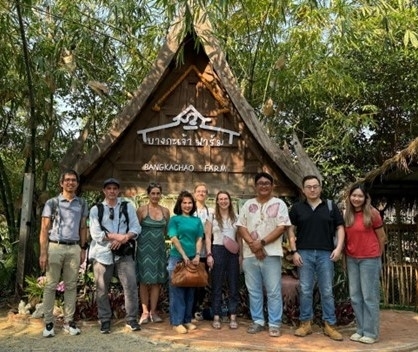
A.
x: 318, y: 233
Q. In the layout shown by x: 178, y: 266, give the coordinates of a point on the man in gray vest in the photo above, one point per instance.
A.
x: 114, y: 228
x: 63, y: 244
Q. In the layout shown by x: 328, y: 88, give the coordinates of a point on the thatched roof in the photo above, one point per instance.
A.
x: 397, y: 177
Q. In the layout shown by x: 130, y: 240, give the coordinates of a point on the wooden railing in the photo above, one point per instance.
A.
x: 400, y: 266
x: 400, y: 285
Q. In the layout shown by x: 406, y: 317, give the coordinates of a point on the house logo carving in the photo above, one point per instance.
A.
x: 191, y: 120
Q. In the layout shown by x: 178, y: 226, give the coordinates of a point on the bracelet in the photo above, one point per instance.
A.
x: 197, y: 255
x: 208, y: 254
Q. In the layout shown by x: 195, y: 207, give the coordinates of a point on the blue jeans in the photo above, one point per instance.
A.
x: 265, y: 274
x: 225, y: 266
x: 126, y: 272
x: 364, y: 285
x: 181, y: 298
x: 316, y: 265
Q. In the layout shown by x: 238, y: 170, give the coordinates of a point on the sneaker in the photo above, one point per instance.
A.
x: 105, y: 327
x: 274, y: 332
x: 133, y: 325
x: 355, y: 337
x: 368, y: 340
x: 254, y: 328
x: 71, y: 328
x: 49, y: 330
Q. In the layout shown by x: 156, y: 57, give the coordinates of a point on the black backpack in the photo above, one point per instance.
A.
x: 123, y: 210
x: 129, y: 247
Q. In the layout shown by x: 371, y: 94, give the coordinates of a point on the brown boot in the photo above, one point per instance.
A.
x: 329, y: 330
x: 304, y: 329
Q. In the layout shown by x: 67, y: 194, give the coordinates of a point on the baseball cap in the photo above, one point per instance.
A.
x: 111, y: 181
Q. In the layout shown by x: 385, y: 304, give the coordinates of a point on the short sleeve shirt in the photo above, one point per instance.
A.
x: 229, y: 228
x: 361, y: 241
x: 187, y: 229
x: 260, y: 220
x: 315, y: 228
x: 67, y: 215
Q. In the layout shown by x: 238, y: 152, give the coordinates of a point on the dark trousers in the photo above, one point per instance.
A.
x: 226, y: 266
x: 200, y: 293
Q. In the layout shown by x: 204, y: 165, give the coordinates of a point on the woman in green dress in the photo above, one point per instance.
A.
x: 151, y: 254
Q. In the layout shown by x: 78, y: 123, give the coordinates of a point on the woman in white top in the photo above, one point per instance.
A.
x: 225, y: 255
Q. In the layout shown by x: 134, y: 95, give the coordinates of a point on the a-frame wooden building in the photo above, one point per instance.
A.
x: 188, y: 123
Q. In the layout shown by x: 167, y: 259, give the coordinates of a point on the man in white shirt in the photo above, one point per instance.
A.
x: 114, y: 232
x: 261, y: 224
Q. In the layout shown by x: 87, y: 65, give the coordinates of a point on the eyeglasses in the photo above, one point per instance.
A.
x: 111, y: 213
x: 70, y: 180
x: 263, y: 183
x: 314, y: 187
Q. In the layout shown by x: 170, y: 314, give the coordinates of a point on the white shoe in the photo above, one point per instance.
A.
x: 355, y: 337
x: 49, y: 330
x: 71, y: 328
x: 368, y: 340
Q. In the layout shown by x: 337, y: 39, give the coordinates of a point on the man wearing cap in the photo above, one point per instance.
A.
x: 63, y: 247
x: 109, y: 237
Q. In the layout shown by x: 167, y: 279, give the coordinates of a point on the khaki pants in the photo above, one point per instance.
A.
x: 63, y: 258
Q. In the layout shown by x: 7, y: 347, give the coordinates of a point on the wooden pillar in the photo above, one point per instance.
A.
x: 399, y: 253
x: 24, y: 231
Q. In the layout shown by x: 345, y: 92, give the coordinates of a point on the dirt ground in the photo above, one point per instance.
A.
x: 19, y: 333
x: 24, y: 334
x: 399, y: 332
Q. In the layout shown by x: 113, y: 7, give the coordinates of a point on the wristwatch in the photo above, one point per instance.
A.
x: 85, y: 246
x: 292, y: 252
x: 263, y: 242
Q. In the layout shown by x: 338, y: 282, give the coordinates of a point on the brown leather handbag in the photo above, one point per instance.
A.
x: 189, y: 275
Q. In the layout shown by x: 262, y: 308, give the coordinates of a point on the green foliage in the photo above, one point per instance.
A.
x: 338, y: 74
x: 8, y: 255
x: 7, y: 271
x: 34, y: 288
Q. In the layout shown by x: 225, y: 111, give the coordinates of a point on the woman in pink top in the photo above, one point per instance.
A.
x: 365, y: 239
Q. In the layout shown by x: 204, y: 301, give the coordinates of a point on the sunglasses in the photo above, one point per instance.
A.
x: 154, y: 184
